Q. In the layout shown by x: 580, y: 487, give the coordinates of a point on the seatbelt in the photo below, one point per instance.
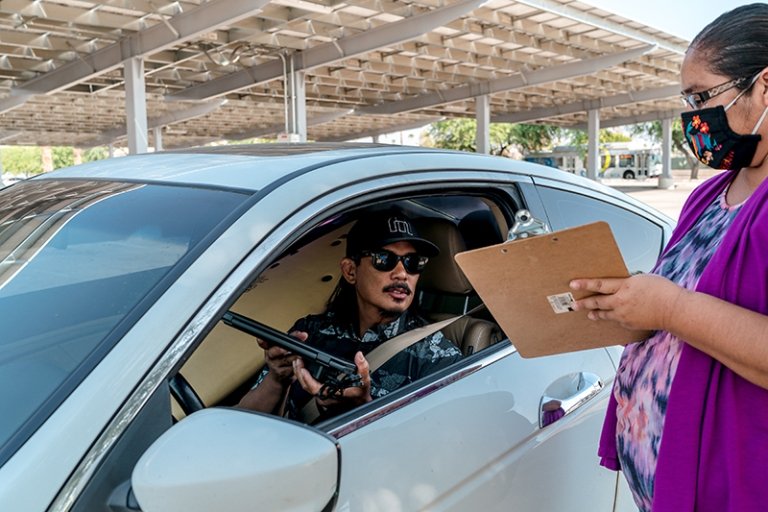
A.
x: 387, y: 350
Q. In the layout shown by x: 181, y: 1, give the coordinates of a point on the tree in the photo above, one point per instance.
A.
x: 653, y: 131
x: 63, y: 156
x: 612, y: 136
x: 22, y: 160
x: 454, y: 134
x: 531, y: 137
x: 581, y: 138
x: 97, y: 153
x: 461, y: 134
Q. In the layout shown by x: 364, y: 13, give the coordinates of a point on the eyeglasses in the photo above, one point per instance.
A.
x: 696, y: 100
x: 384, y: 261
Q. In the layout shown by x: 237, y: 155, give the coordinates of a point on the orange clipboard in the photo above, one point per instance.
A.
x: 525, y: 285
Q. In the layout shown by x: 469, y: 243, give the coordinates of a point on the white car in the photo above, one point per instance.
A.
x: 119, y: 378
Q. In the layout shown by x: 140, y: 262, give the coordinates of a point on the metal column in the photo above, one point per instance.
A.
x: 135, y: 106
x: 593, y: 154
x: 483, y: 116
x: 297, y: 107
x: 158, y: 136
x: 666, y: 180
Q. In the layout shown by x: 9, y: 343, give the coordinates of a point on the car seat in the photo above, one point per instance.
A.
x: 447, y: 292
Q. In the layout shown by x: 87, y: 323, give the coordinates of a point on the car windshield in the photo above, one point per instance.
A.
x: 80, y: 262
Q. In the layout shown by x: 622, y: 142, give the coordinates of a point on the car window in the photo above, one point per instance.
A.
x: 305, y: 276
x: 76, y: 259
x: 638, y: 238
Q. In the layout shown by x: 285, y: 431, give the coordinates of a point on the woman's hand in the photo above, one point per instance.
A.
x: 640, y: 302
x: 280, y: 361
x: 350, y: 397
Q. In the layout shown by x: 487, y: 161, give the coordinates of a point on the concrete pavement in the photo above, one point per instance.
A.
x: 669, y: 201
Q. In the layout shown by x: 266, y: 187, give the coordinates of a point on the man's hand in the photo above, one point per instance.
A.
x: 280, y: 361
x: 350, y: 397
x: 644, y: 301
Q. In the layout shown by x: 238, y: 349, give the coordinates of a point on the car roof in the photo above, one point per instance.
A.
x: 250, y: 167
x: 254, y: 167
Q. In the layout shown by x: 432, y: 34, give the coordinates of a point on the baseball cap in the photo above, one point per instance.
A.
x: 383, y: 228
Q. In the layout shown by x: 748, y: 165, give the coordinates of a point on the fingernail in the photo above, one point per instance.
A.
x: 574, y: 285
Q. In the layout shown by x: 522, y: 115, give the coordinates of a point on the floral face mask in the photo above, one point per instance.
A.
x: 713, y: 141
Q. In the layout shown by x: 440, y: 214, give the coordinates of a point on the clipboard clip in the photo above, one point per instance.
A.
x: 526, y: 225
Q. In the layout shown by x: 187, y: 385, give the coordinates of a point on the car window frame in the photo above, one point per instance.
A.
x: 503, y: 193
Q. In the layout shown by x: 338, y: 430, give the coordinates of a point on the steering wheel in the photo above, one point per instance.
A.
x: 185, y: 395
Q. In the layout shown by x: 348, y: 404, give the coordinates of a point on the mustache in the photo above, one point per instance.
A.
x: 403, y: 287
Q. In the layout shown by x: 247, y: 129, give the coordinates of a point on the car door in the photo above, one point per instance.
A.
x: 475, y: 441
x: 478, y: 438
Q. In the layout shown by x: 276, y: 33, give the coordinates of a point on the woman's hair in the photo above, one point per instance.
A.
x: 736, y: 43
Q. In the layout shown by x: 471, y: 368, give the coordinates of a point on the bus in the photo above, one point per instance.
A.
x: 617, y: 160
x: 565, y: 158
x: 624, y: 161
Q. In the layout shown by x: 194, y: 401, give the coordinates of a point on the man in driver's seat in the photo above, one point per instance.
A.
x: 373, y: 302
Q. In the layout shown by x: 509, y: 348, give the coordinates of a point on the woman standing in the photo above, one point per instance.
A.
x: 688, y: 418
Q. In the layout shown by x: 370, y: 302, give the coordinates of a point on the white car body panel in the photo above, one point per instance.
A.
x: 489, y: 456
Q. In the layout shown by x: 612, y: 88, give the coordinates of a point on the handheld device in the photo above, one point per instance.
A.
x: 334, y: 372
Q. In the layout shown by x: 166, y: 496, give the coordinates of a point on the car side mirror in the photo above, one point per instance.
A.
x: 235, y: 460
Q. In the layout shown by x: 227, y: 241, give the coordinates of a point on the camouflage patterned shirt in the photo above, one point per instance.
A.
x: 424, y: 357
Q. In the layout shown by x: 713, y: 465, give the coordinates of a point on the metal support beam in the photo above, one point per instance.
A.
x: 658, y: 93
x: 624, y: 121
x: 297, y: 108
x: 593, y: 154
x: 13, y: 102
x: 559, y: 9
x: 135, y: 106
x: 516, y: 81
x: 279, y: 127
x: 178, y: 29
x: 383, y: 131
x: 665, y: 180
x: 5, y: 136
x: 377, y: 37
x: 176, y: 116
x: 158, y: 138
x: 483, y: 116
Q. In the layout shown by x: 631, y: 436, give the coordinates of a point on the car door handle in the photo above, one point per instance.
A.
x: 567, y: 394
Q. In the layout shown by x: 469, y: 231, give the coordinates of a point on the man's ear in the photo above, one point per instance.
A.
x: 349, y: 270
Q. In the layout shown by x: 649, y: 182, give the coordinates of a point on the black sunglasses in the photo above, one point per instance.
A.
x: 384, y: 261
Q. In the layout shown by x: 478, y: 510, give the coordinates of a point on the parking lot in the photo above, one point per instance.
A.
x: 669, y: 201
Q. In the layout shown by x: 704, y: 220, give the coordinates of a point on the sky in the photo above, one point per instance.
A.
x: 682, y: 18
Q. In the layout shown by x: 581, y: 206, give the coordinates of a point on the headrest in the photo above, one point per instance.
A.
x: 442, y: 273
x: 480, y: 229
